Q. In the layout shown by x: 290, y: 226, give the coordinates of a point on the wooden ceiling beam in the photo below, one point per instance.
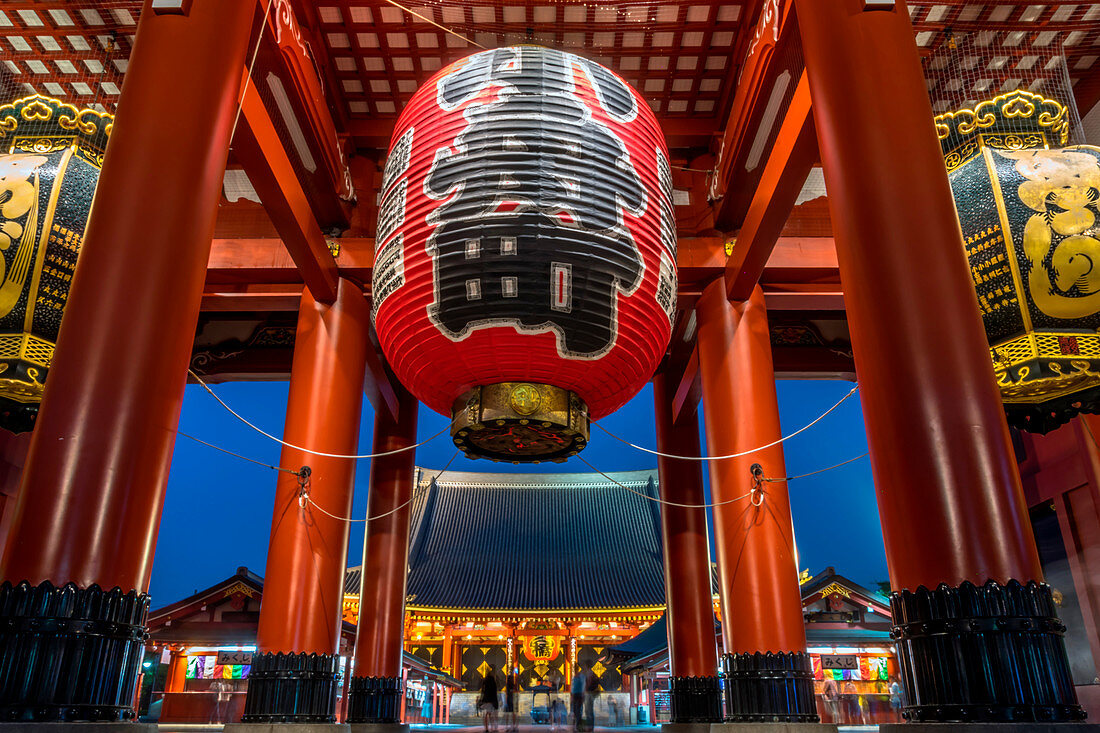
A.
x: 371, y: 134
x: 760, y: 87
x: 257, y: 146
x: 267, y: 260
x: 792, y: 156
x: 286, y: 71
x: 1087, y: 91
x: 804, y: 301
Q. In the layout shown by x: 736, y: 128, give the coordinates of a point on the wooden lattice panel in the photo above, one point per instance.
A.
x: 680, y: 55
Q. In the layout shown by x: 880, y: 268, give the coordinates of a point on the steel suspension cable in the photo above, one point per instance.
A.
x: 731, y: 455
x: 237, y: 455
x: 305, y: 499
x: 259, y: 430
x: 756, y: 490
x: 820, y: 470
x: 659, y: 500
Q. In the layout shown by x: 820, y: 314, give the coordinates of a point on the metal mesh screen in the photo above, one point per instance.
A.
x: 977, y: 52
x: 973, y: 67
x: 75, y: 51
x: 678, y: 54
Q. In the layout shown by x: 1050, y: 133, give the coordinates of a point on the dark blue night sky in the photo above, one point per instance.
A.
x: 217, y: 513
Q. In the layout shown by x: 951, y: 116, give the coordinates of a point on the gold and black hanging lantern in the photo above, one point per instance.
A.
x: 1028, y: 208
x: 50, y: 157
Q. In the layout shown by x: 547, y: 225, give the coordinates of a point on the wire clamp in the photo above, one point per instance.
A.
x: 757, y: 493
x: 303, y: 485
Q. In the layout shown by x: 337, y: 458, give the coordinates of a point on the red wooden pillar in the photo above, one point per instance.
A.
x: 948, y: 490
x: 177, y: 671
x: 693, y: 656
x: 307, y: 552
x: 376, y: 690
x: 13, y: 454
x: 758, y: 574
x: 94, y: 478
x: 448, y: 651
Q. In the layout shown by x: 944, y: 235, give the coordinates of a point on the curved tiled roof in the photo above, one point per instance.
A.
x: 561, y: 541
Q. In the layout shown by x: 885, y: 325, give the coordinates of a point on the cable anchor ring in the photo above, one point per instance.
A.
x: 303, y: 485
x: 757, y: 493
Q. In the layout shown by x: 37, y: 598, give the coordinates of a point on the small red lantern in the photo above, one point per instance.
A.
x: 525, y: 269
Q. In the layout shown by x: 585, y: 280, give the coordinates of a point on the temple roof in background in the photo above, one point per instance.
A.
x: 562, y: 541
x: 829, y: 582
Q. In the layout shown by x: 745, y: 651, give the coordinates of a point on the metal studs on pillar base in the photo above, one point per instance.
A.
x: 695, y: 699
x: 291, y: 688
x: 769, y: 688
x: 984, y: 654
x: 51, y: 636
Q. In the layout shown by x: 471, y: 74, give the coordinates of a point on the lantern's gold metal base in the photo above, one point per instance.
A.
x: 24, y: 363
x: 1043, y: 365
x: 520, y: 422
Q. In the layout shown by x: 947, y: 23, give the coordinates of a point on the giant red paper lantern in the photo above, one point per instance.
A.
x: 525, y: 269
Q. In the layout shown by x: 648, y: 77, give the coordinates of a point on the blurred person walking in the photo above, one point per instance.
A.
x: 510, y: 686
x: 576, y: 698
x: 488, y: 700
x: 896, y: 701
x: 831, y: 695
x: 224, y: 691
x: 591, y: 688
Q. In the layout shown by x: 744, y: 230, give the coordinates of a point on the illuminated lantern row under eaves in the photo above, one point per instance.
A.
x: 525, y: 269
x: 1030, y: 220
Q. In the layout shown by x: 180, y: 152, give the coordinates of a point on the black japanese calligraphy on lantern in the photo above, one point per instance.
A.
x: 531, y: 234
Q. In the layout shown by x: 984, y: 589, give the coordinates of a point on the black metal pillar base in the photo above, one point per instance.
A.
x: 375, y: 700
x: 79, y: 727
x: 769, y: 688
x: 69, y: 654
x: 379, y: 728
x: 988, y: 654
x: 282, y: 728
x: 773, y: 728
x: 291, y: 688
x: 989, y: 728
x: 695, y: 699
